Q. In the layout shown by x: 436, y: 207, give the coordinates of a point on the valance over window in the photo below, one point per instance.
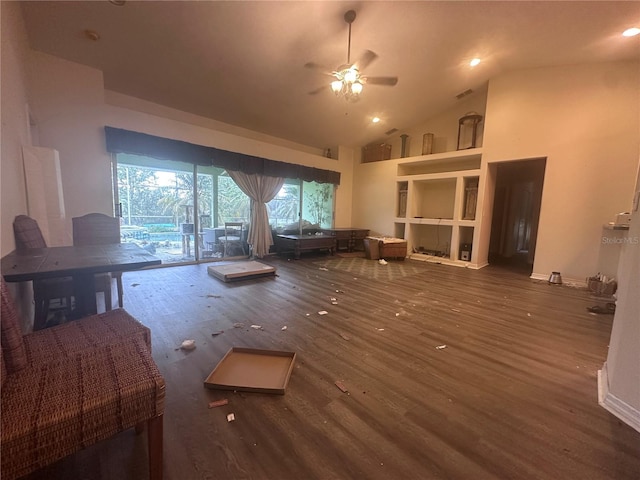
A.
x: 126, y: 141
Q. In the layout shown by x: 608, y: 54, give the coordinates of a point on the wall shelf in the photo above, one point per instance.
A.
x: 446, y: 162
x: 437, y: 196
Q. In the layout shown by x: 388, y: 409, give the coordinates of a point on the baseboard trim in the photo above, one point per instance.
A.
x: 569, y: 282
x: 615, y: 406
x: 539, y: 276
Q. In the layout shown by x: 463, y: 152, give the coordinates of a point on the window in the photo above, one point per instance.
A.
x: 167, y: 214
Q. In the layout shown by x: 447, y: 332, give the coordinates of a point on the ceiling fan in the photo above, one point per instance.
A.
x: 348, y: 78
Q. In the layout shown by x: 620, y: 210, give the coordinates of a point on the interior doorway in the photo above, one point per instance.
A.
x: 516, y: 213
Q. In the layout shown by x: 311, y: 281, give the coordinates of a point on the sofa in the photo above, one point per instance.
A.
x: 308, y: 228
x: 70, y: 386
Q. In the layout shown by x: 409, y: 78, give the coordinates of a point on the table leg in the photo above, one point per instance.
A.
x: 84, y: 288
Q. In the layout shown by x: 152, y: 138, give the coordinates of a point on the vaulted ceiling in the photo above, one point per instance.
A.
x: 243, y: 62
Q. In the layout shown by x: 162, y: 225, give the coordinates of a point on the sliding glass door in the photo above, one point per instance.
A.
x: 181, y: 220
x: 317, y: 204
x: 155, y: 200
x: 302, y: 207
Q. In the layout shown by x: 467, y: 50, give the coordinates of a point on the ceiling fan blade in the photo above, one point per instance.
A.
x: 367, y: 57
x: 318, y: 90
x: 388, y: 81
x: 315, y: 66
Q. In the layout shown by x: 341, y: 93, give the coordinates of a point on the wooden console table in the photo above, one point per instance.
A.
x: 302, y: 243
x: 348, y: 236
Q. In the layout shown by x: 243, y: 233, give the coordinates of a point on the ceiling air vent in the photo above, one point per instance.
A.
x: 393, y: 130
x: 464, y: 94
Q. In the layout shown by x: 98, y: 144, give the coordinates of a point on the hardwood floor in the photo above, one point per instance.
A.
x: 513, y: 395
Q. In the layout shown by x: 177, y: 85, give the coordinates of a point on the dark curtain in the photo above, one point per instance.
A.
x: 126, y: 141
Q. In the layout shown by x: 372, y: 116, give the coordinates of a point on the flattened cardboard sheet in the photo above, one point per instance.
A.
x: 252, y: 370
x: 233, y: 271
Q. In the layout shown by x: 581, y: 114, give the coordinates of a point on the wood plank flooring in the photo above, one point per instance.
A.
x: 513, y: 395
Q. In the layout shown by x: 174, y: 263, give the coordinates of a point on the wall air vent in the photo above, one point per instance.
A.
x: 464, y: 94
x: 393, y: 130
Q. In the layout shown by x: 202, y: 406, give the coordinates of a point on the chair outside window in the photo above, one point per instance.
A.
x: 100, y: 229
x: 233, y: 236
x: 209, y: 240
x: 27, y: 236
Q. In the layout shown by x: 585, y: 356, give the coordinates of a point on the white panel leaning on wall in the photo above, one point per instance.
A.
x: 45, y: 199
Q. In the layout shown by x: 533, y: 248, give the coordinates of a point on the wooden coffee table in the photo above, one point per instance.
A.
x: 348, y: 237
x: 302, y: 243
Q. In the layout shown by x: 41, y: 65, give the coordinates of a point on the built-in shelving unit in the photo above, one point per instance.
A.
x: 436, y: 206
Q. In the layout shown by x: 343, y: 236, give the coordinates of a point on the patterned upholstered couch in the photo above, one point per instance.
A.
x: 67, y: 387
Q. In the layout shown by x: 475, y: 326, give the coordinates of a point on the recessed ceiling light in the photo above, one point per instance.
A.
x: 474, y: 62
x: 375, y: 119
x: 631, y: 32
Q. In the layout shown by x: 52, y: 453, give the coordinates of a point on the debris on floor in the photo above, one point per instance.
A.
x: 284, y: 328
x: 218, y: 403
x: 341, y: 386
x: 441, y: 347
x: 188, y: 345
x: 238, y: 325
x: 345, y: 337
x: 324, y: 269
x: 602, y: 285
x: 231, y: 417
x: 322, y: 312
x: 380, y: 329
x: 257, y: 327
x: 609, y: 308
x: 219, y: 332
x: 382, y: 261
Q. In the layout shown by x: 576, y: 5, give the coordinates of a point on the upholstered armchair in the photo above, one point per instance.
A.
x: 70, y: 386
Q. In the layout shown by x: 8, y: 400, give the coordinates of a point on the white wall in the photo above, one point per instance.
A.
x: 374, y: 196
x: 71, y: 113
x: 374, y: 188
x: 622, y: 368
x: 585, y: 119
x: 15, y: 123
x: 15, y: 133
x: 67, y: 101
x: 131, y: 103
x: 444, y: 127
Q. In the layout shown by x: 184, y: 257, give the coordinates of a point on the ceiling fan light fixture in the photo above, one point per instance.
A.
x: 351, y: 75
x: 348, y: 82
x: 336, y: 86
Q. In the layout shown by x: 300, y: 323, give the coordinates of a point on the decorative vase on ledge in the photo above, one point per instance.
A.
x: 427, y: 144
x: 468, y: 130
